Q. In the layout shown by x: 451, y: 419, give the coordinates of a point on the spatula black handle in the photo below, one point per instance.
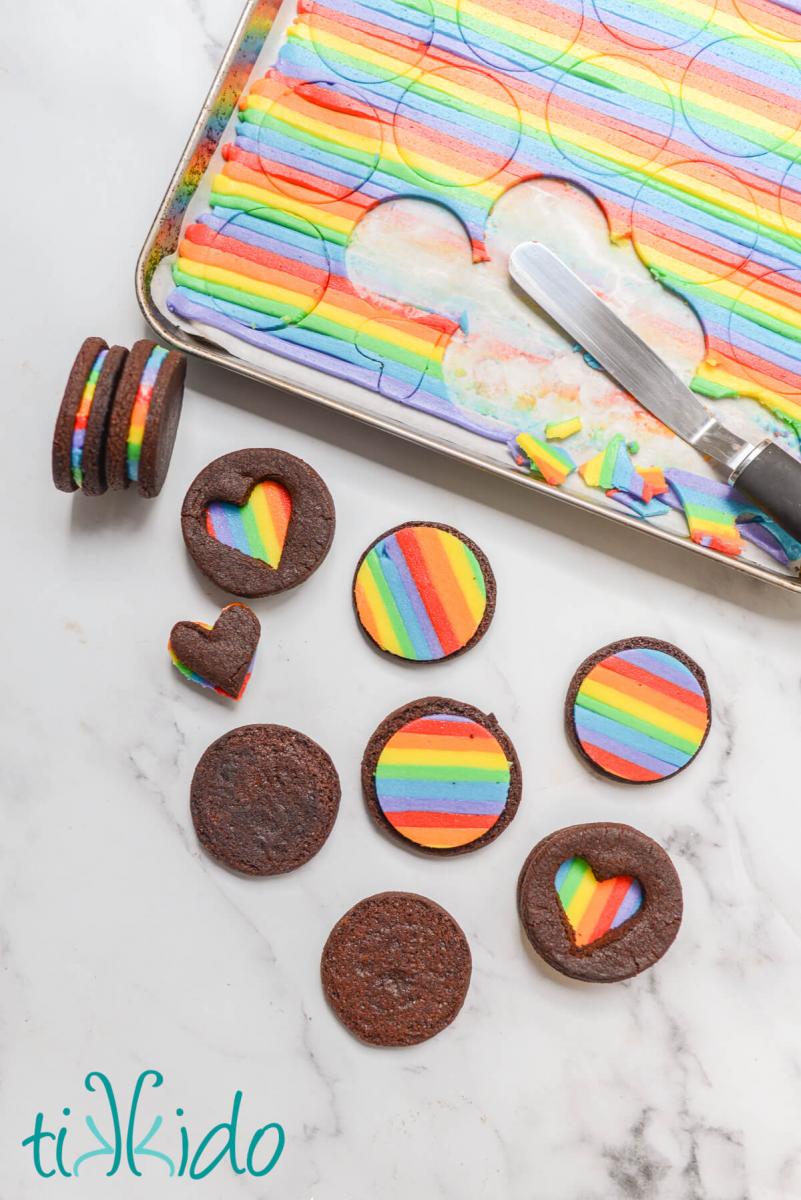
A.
x: 772, y: 478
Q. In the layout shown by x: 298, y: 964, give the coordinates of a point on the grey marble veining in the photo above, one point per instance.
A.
x: 123, y: 947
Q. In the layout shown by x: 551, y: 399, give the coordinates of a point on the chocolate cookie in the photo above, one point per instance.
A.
x: 638, y: 710
x: 79, y: 440
x: 424, y: 592
x: 144, y: 418
x: 441, y: 776
x: 258, y: 521
x: 264, y: 799
x: 396, y: 969
x: 599, y: 902
x: 218, y: 656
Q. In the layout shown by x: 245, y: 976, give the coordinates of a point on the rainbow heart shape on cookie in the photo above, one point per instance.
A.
x: 594, y: 906
x: 257, y: 528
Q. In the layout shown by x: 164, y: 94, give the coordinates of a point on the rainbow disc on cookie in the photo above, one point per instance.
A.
x: 638, y: 710
x: 424, y: 592
x: 442, y: 775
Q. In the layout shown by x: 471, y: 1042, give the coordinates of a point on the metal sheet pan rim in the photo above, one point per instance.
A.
x: 199, y: 347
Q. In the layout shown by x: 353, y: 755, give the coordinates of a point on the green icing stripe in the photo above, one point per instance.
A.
x: 624, y: 718
x: 445, y: 773
x: 391, y: 608
x: 572, y: 881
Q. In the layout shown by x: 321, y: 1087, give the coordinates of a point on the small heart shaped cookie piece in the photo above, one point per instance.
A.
x: 218, y: 656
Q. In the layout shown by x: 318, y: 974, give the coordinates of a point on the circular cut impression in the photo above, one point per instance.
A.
x: 258, y: 521
x: 441, y: 776
x: 264, y: 799
x: 638, y: 710
x: 599, y: 902
x: 424, y: 592
x: 396, y: 969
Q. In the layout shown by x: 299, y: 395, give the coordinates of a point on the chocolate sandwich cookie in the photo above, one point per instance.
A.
x: 144, y: 418
x: 264, y: 799
x: 424, y: 592
x: 79, y: 440
x: 218, y: 656
x: 638, y: 710
x: 441, y: 776
x: 396, y: 969
x: 599, y: 902
x: 258, y: 521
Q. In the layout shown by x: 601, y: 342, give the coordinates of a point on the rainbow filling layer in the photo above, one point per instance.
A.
x: 141, y: 407
x: 259, y: 527
x: 81, y: 418
x: 420, y: 593
x: 595, y: 906
x: 442, y: 781
x: 640, y: 715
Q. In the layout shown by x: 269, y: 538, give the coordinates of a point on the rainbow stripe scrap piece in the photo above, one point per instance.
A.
x: 613, y: 470
x: 420, y: 593
x: 81, y: 418
x: 201, y: 680
x: 442, y: 781
x: 258, y: 528
x: 717, y: 514
x: 552, y: 463
x: 140, y: 410
x: 593, y: 906
x: 556, y: 431
x: 640, y: 714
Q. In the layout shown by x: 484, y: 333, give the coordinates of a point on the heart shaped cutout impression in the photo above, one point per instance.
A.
x: 593, y: 906
x: 218, y: 656
x: 257, y: 528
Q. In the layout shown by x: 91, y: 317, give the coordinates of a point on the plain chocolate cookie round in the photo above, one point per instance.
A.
x: 231, y: 479
x: 640, y: 717
x: 416, y: 610
x: 68, y: 410
x: 611, y: 850
x: 161, y: 423
x: 264, y: 799
x: 438, y: 807
x: 396, y: 969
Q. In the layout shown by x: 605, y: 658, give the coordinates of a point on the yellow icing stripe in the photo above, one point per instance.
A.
x: 311, y: 212
x: 477, y: 759
x: 326, y: 131
x: 644, y: 712
x: 459, y: 558
x: 324, y: 309
x: 387, y: 638
x: 581, y: 899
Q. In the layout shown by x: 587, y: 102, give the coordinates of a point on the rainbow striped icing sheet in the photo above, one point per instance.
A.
x: 442, y: 781
x: 82, y: 416
x: 595, y: 906
x: 141, y: 407
x: 640, y: 714
x: 259, y: 527
x: 682, y: 122
x: 420, y: 593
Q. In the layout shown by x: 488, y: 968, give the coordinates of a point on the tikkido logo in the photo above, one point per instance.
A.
x: 122, y: 1141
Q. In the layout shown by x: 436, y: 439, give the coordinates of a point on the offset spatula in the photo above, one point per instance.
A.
x: 770, y: 476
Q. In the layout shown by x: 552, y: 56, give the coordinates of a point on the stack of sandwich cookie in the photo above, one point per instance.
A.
x: 118, y: 418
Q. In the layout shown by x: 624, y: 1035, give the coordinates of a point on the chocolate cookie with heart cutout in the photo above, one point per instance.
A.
x: 599, y: 902
x: 218, y: 656
x: 258, y: 521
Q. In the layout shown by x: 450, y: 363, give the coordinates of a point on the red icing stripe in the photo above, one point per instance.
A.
x: 410, y: 547
x: 657, y: 682
x: 426, y: 725
x: 609, y: 910
x: 620, y: 766
x: 441, y: 820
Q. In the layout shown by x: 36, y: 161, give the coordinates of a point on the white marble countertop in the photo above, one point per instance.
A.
x: 123, y: 947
